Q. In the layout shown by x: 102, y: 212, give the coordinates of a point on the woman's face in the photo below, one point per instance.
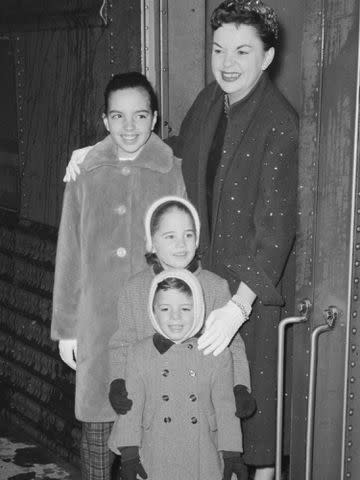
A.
x: 238, y: 59
x: 129, y: 119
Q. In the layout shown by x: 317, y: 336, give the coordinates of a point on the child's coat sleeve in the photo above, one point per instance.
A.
x: 67, y: 284
x: 125, y: 336
x: 127, y: 429
x: 237, y: 347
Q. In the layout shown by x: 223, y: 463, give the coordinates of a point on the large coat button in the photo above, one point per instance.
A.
x: 193, y: 420
x: 125, y: 171
x: 193, y: 397
x: 121, y: 252
x: 165, y: 398
x: 167, y: 419
x: 121, y: 210
x: 165, y: 372
x: 192, y: 373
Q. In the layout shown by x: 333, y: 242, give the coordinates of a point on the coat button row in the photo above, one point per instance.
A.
x: 193, y: 420
x: 121, y: 252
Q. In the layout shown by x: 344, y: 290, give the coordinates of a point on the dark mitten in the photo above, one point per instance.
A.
x: 131, y: 468
x: 234, y: 463
x: 245, y: 402
x: 118, y: 397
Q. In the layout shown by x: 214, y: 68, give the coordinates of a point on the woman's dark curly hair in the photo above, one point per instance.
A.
x: 248, y: 12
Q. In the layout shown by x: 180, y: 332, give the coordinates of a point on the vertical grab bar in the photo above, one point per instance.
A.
x: 304, y: 308
x: 331, y: 315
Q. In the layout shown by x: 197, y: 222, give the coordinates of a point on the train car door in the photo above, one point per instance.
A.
x: 325, y: 416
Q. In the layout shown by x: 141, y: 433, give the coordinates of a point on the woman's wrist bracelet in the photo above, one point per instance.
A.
x: 244, y: 306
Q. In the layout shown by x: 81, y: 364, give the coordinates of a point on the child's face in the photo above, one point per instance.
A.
x: 174, y: 312
x: 129, y: 119
x: 174, y: 241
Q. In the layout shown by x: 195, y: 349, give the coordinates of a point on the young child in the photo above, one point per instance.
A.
x: 172, y: 228
x: 181, y: 425
x: 100, y: 245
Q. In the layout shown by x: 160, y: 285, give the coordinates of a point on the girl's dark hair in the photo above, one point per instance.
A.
x: 266, y: 24
x: 152, y: 258
x: 173, y: 283
x: 130, y: 80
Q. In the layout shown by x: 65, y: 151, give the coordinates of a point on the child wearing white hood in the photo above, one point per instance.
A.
x: 181, y: 424
x: 172, y: 228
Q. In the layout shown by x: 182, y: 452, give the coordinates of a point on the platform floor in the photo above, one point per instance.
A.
x: 22, y: 459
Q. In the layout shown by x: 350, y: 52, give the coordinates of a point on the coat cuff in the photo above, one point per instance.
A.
x: 246, y: 270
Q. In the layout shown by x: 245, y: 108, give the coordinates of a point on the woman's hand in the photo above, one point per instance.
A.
x: 220, y: 327
x: 77, y: 157
x: 68, y: 352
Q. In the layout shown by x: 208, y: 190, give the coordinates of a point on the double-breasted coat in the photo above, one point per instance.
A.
x: 101, y: 243
x: 134, y: 322
x: 183, y: 411
x: 253, y: 223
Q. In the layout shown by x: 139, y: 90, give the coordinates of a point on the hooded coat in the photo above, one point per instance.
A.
x: 100, y: 245
x: 183, y: 411
x: 253, y: 223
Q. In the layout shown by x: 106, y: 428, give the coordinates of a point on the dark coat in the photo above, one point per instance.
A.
x: 183, y: 411
x: 101, y: 244
x: 254, y: 223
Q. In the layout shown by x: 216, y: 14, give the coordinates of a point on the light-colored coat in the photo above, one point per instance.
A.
x: 100, y: 245
x: 183, y: 412
x: 134, y: 323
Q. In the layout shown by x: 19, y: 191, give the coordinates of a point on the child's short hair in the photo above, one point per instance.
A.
x: 130, y: 80
x: 173, y: 283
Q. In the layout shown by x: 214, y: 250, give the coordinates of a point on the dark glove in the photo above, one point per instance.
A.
x: 234, y: 463
x: 118, y: 397
x: 245, y: 402
x: 130, y: 465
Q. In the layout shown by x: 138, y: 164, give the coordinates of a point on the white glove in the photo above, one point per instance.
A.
x: 68, y: 352
x: 220, y: 327
x: 77, y: 157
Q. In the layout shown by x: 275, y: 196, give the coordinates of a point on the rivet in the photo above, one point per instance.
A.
x: 351, y: 396
x: 357, y: 246
x: 357, y: 263
x: 353, y: 364
x: 355, y: 297
x: 351, y: 412
x: 353, y: 331
x: 350, y: 428
x: 349, y: 459
x: 358, y: 228
x: 356, y: 280
x: 350, y: 443
x: 354, y: 314
x: 352, y: 379
x: 348, y: 475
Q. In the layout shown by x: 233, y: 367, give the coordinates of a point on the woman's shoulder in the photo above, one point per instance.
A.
x: 278, y: 108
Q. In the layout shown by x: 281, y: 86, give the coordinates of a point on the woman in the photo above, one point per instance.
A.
x: 238, y: 143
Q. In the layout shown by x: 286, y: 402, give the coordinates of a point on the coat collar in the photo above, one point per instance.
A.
x: 163, y: 344
x: 155, y: 155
